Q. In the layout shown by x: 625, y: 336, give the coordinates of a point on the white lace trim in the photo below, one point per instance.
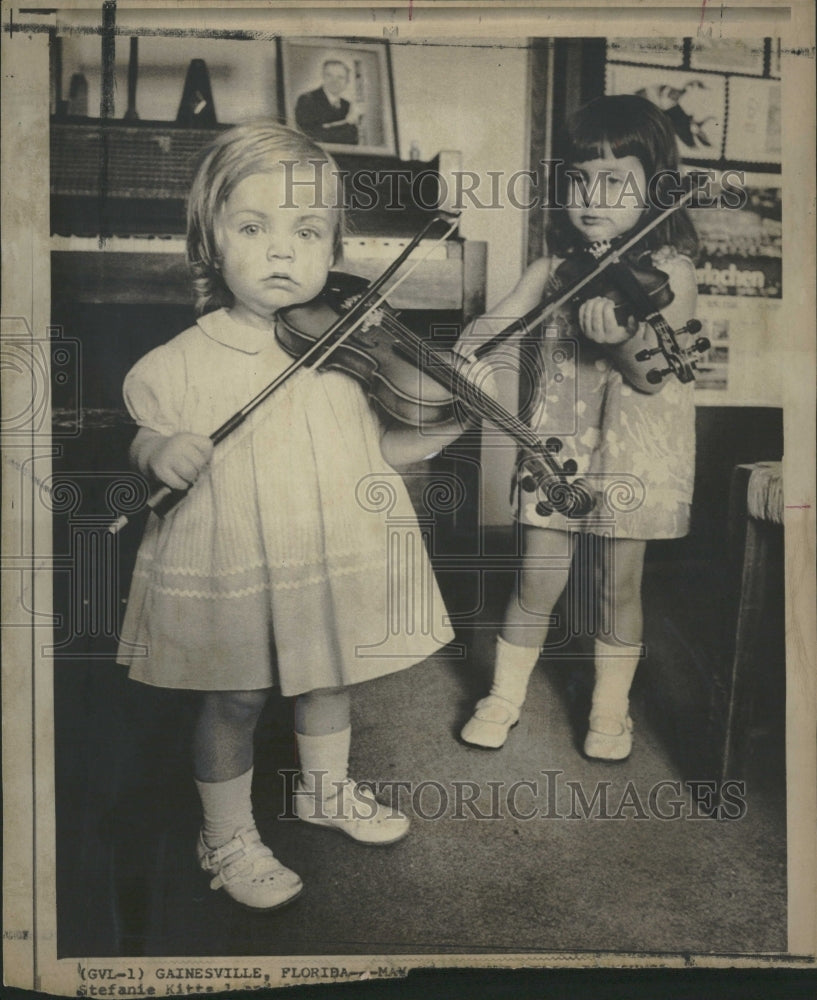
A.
x: 249, y: 567
x: 213, y: 574
x: 308, y: 581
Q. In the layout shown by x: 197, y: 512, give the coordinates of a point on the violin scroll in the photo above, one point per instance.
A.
x: 681, y: 362
x: 574, y: 499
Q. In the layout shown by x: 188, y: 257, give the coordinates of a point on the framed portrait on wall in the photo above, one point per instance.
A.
x: 339, y: 92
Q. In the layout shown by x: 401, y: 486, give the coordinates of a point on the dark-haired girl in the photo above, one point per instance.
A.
x: 633, y: 440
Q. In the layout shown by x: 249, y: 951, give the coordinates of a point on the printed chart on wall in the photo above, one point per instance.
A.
x: 740, y: 279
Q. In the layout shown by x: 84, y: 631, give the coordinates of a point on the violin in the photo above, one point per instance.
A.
x: 419, y: 385
x: 640, y: 291
x: 376, y: 354
x: 654, y: 282
x: 407, y: 378
x: 164, y: 499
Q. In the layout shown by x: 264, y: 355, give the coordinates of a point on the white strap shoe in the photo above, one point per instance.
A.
x: 249, y: 872
x: 609, y: 738
x: 355, y: 812
x: 493, y: 719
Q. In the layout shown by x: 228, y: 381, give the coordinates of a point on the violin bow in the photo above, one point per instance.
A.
x: 164, y: 499
x: 542, y: 311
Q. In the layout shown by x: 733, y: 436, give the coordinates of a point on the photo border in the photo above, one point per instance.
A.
x: 29, y: 926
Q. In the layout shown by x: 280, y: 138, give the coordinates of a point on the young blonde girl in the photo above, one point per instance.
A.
x: 272, y: 572
x: 615, y: 424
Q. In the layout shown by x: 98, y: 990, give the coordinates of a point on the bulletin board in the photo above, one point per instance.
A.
x: 723, y: 97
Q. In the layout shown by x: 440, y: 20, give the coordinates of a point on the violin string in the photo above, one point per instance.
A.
x: 381, y: 298
x: 462, y: 386
x: 543, y: 311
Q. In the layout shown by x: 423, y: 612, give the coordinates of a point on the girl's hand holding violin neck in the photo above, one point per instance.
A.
x: 176, y: 461
x: 597, y: 318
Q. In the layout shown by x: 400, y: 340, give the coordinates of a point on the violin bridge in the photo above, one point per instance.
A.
x: 348, y: 304
x: 374, y: 318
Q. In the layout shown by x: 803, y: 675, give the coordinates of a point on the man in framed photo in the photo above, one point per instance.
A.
x: 324, y: 114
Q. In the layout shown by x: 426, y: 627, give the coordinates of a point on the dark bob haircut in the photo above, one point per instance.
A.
x: 624, y: 125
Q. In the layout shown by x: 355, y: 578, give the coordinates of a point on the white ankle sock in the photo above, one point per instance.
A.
x: 227, y: 807
x: 615, y: 669
x: 512, y: 670
x: 324, y: 761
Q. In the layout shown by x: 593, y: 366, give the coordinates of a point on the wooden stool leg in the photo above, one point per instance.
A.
x: 742, y: 680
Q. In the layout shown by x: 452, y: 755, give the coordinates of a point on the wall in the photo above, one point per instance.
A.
x: 242, y: 74
x: 440, y: 92
x: 441, y: 104
x: 440, y: 96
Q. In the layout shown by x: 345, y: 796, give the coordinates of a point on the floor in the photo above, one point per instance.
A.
x: 509, y: 851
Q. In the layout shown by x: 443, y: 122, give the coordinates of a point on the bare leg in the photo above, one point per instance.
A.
x: 541, y: 580
x: 617, y: 654
x: 324, y: 711
x: 622, y: 614
x: 224, y: 731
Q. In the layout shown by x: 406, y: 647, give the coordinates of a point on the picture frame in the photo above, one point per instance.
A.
x: 753, y: 132
x: 662, y: 51
x: 350, y: 112
x: 728, y: 55
x: 696, y: 103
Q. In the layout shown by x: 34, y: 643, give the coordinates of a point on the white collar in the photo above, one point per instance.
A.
x: 221, y: 327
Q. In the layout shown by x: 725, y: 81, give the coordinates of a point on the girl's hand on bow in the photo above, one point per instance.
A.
x: 597, y: 319
x: 176, y: 461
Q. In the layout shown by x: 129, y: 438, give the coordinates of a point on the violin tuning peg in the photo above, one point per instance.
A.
x: 693, y: 326
x: 553, y: 445
x: 702, y: 344
x: 543, y: 509
x: 528, y: 484
x: 569, y: 467
x: 655, y: 376
x: 647, y: 353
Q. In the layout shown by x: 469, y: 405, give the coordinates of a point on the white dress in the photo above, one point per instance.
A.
x: 296, y: 560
